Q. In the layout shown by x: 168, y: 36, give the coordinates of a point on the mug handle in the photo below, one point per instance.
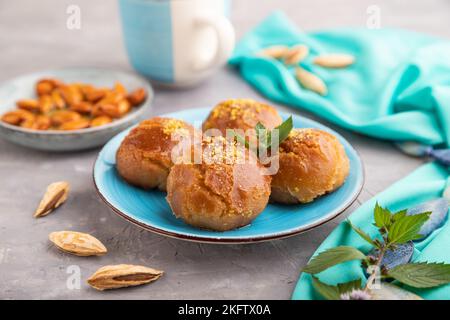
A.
x: 225, y: 40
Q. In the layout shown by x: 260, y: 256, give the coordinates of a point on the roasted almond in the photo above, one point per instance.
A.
x: 42, y: 122
x: 94, y: 95
x: 71, y: 94
x: 28, y: 124
x: 57, y: 99
x: 276, y: 52
x: 120, y: 89
x: 123, y: 107
x: 28, y: 104
x: 100, y: 121
x: 111, y: 97
x: 28, y: 119
x: 334, y: 60
x: 82, y: 107
x: 61, y: 116
x: 137, y: 96
x: 296, y: 54
x: 75, y: 124
x: 123, y: 275
x: 44, y: 87
x: 25, y: 115
x: 45, y: 103
x: 310, y: 81
x: 55, y: 195
x: 78, y: 105
x: 12, y: 117
x: 112, y: 110
x: 103, y: 110
x: 78, y: 243
x: 85, y: 89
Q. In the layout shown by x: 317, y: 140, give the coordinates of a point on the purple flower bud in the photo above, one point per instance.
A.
x: 356, y: 294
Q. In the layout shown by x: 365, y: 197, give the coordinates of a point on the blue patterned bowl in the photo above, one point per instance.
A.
x: 54, y: 140
x: 149, y: 209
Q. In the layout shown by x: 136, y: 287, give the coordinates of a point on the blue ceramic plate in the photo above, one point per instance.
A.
x: 150, y: 210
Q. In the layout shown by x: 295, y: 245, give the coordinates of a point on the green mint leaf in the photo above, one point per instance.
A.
x: 331, y: 257
x: 284, y: 129
x: 362, y: 234
x: 331, y: 292
x: 406, y: 228
x: 349, y: 286
x: 261, y: 133
x: 327, y: 291
x: 422, y: 274
x: 241, y: 139
x: 265, y: 136
x: 260, y: 126
x: 269, y: 138
x: 382, y: 216
x: 398, y: 215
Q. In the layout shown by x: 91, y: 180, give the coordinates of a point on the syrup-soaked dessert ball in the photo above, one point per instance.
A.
x: 241, y: 114
x: 311, y: 163
x: 144, y: 157
x: 226, y: 190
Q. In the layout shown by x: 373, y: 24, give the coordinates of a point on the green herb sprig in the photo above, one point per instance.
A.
x: 393, y: 229
x: 264, y: 135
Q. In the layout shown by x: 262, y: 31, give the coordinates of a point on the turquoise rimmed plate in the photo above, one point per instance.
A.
x: 149, y: 209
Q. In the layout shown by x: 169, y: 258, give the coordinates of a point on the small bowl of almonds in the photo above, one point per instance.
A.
x: 71, y: 109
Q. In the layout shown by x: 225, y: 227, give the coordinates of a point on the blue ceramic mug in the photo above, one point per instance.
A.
x: 177, y: 42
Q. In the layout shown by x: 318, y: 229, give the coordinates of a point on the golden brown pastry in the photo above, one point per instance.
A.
x: 241, y: 114
x: 312, y: 163
x: 144, y: 157
x: 220, y: 195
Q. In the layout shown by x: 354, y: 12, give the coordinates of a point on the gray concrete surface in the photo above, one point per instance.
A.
x: 33, y: 37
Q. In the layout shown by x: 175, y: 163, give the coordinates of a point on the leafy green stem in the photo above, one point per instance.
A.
x: 377, y: 266
x: 394, y: 229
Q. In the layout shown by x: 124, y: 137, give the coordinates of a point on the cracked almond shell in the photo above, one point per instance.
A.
x: 55, y: 195
x: 122, y: 275
x: 77, y: 243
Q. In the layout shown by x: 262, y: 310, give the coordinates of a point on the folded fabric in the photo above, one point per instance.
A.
x: 398, y: 88
x: 427, y: 182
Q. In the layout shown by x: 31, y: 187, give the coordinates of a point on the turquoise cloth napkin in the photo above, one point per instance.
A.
x: 398, y: 90
x: 427, y: 182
